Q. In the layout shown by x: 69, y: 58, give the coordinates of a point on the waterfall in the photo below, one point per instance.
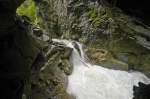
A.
x: 89, y: 81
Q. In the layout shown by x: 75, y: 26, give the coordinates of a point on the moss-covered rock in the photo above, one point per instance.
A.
x: 50, y: 81
x: 104, y: 58
x: 29, y: 9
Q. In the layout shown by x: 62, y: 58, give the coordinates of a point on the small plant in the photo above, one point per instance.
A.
x: 28, y: 9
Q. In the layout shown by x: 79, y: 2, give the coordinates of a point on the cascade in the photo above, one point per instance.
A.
x: 89, y: 81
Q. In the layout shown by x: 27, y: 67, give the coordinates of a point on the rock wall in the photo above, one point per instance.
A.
x: 100, y: 26
x: 18, y: 51
x: 49, y: 75
x: 53, y: 16
x: 112, y: 39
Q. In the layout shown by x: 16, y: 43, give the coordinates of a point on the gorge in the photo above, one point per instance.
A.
x: 74, y: 49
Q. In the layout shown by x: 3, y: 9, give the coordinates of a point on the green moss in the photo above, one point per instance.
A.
x: 28, y: 9
x: 97, y: 22
x: 59, y: 89
x: 91, y: 13
x: 61, y: 92
x: 97, y: 19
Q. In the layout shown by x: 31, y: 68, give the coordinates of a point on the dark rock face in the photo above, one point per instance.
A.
x: 7, y: 16
x: 142, y: 92
x: 17, y: 51
x: 138, y: 8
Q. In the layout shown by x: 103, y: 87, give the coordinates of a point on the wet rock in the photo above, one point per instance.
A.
x: 142, y: 91
x: 143, y: 41
x: 50, y: 81
x: 104, y: 58
x: 46, y: 38
x: 67, y: 52
x: 37, y: 32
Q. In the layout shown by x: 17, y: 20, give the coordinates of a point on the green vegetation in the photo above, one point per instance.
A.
x: 97, y: 20
x: 91, y: 13
x: 28, y: 9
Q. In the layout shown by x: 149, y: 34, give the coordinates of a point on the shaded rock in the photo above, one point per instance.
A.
x: 46, y: 38
x: 134, y: 8
x: 142, y: 91
x: 18, y: 51
x: 50, y: 81
x: 37, y: 32
x: 143, y: 41
x: 104, y: 58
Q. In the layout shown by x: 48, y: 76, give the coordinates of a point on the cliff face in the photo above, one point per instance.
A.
x: 134, y: 8
x: 120, y: 41
x: 53, y: 15
x: 111, y: 38
x: 18, y: 51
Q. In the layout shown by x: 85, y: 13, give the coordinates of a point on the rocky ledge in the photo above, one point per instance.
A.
x: 49, y: 80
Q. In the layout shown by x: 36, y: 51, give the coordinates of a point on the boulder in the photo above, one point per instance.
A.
x: 142, y: 91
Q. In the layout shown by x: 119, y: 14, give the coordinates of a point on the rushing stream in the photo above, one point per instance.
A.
x: 89, y: 81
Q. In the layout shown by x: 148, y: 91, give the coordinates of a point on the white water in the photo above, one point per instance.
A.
x: 95, y: 82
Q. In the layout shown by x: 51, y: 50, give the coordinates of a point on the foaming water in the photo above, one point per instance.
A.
x: 89, y: 81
